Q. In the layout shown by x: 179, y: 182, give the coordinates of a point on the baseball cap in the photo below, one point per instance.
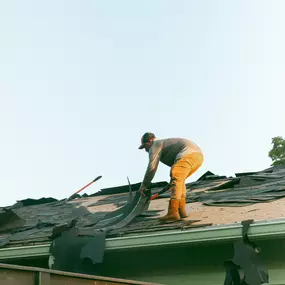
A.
x: 146, y: 138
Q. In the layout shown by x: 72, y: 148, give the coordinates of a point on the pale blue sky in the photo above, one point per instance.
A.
x: 81, y: 81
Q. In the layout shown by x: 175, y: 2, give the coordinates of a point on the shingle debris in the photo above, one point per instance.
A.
x: 244, y: 190
x: 42, y: 221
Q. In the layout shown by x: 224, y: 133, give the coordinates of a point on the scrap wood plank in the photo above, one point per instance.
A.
x: 15, y: 274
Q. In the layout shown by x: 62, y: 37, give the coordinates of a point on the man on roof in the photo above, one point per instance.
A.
x: 184, y: 157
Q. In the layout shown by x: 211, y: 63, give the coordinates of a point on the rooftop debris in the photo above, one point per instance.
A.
x: 40, y: 222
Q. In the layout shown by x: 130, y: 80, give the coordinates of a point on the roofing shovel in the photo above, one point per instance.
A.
x: 74, y: 195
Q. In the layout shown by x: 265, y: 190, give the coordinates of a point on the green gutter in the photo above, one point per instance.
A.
x: 261, y: 230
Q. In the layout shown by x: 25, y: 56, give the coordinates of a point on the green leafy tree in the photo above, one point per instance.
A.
x: 277, y: 153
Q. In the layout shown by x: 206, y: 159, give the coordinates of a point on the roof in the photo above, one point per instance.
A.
x: 214, y: 202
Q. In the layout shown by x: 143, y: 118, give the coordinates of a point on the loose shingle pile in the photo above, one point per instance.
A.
x: 243, y: 190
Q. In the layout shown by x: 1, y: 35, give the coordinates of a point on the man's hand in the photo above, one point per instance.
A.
x: 142, y: 190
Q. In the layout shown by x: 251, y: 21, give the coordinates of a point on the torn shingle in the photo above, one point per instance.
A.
x: 246, y: 266
x: 69, y: 251
x: 113, y: 213
x: 9, y: 220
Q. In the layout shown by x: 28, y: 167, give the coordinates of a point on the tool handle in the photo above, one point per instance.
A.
x: 154, y: 196
x: 94, y: 180
x: 97, y: 178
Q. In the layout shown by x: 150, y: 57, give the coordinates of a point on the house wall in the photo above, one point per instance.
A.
x: 197, y: 265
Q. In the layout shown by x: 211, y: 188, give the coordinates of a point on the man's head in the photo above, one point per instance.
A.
x: 147, y: 141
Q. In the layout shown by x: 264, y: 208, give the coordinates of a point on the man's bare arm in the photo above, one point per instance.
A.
x: 154, y: 157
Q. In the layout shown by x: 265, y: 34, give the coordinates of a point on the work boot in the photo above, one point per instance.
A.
x: 182, y: 208
x: 172, y: 214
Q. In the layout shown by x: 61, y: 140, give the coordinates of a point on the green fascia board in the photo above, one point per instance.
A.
x: 259, y: 230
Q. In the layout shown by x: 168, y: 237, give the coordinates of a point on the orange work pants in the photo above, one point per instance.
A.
x: 181, y: 170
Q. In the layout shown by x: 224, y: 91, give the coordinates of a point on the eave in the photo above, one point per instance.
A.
x: 271, y: 229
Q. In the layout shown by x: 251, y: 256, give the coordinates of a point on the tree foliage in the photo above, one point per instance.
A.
x: 277, y: 153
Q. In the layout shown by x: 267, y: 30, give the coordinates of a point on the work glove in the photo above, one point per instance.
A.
x: 142, y: 190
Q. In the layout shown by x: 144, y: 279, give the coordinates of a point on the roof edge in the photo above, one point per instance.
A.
x: 267, y: 229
